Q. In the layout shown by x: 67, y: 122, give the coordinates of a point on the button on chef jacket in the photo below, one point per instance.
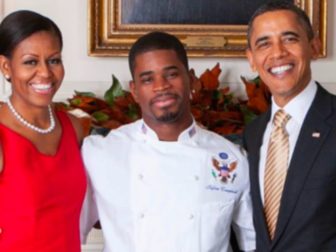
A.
x: 153, y: 195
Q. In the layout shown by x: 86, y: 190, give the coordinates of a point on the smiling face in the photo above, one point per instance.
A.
x: 161, y: 87
x: 35, y: 69
x: 281, y: 53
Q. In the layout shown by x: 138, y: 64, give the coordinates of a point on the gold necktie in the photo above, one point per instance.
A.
x: 276, y: 169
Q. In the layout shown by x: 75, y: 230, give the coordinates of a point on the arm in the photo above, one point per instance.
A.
x: 81, y: 122
x: 78, y: 127
x: 89, y: 213
x: 243, y: 218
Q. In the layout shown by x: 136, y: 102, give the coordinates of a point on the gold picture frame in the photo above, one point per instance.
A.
x: 110, y: 35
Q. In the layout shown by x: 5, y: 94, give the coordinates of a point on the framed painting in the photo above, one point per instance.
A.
x: 208, y: 28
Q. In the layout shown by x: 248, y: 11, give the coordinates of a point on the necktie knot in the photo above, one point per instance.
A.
x: 281, y: 118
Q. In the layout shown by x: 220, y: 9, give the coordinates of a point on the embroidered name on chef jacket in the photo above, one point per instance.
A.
x: 223, y: 171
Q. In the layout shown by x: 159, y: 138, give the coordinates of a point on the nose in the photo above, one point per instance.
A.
x: 278, y: 50
x: 160, y: 84
x: 44, y: 70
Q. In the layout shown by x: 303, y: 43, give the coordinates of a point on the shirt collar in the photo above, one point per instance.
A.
x: 186, y: 135
x: 298, y: 107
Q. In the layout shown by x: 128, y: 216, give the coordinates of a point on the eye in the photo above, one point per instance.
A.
x: 262, y: 44
x: 55, y: 61
x: 31, y: 62
x: 171, y: 75
x: 291, y: 39
x: 146, y: 80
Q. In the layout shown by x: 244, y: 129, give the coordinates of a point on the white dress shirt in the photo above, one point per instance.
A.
x: 152, y: 195
x: 297, y: 108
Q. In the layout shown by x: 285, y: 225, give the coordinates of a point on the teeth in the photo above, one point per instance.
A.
x: 281, y: 69
x: 41, y: 86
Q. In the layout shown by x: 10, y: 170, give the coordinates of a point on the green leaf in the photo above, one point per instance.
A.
x: 256, y: 80
x: 114, y: 91
x: 87, y: 94
x: 133, y: 111
x: 249, y: 115
x: 216, y: 95
x: 100, y: 116
x: 76, y: 101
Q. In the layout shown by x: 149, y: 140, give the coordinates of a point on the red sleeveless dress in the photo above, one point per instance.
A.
x: 41, y: 195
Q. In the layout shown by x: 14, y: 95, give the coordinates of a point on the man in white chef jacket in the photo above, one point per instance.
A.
x: 163, y: 183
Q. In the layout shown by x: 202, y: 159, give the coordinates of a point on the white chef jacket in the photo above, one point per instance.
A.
x: 153, y: 195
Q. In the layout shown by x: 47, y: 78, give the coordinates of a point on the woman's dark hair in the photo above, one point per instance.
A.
x: 277, y: 5
x: 19, y: 25
x: 157, y: 41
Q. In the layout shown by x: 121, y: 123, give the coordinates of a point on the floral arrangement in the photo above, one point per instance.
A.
x: 219, y: 110
x: 214, y: 107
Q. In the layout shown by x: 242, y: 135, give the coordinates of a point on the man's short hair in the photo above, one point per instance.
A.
x: 281, y: 5
x: 157, y: 41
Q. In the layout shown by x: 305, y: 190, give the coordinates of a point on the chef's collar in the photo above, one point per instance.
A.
x: 186, y: 135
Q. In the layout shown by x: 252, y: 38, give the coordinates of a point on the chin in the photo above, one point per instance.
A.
x: 168, y: 117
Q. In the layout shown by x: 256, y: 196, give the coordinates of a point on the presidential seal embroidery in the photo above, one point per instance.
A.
x: 223, y: 169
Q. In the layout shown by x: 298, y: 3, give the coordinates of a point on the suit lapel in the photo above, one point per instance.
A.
x: 313, y: 133
x: 254, y: 157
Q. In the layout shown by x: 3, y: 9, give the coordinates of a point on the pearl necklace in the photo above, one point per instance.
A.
x: 29, y: 125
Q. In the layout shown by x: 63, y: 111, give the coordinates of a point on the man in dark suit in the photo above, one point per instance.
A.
x: 281, y: 47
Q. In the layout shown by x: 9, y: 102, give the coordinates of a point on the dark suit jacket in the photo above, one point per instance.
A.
x: 307, y: 216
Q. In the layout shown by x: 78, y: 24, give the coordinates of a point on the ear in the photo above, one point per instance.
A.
x: 249, y: 56
x: 195, y: 83
x: 5, y: 67
x: 192, y: 79
x: 133, y: 90
x: 315, y: 44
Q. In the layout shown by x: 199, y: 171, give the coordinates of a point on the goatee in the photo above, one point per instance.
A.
x: 168, y: 117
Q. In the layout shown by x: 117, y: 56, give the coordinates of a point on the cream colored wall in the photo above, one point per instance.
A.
x: 94, y: 74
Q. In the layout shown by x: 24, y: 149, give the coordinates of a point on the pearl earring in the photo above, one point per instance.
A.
x: 6, y: 76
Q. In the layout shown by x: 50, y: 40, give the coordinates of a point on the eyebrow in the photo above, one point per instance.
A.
x: 145, y: 73
x: 295, y: 34
x: 170, y: 68
x: 151, y: 72
x: 286, y: 33
x: 261, y: 39
x: 29, y: 54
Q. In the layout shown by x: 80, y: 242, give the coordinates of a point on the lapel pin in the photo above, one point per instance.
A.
x: 316, y: 134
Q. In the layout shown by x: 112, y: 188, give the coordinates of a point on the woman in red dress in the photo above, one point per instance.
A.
x: 42, y: 180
